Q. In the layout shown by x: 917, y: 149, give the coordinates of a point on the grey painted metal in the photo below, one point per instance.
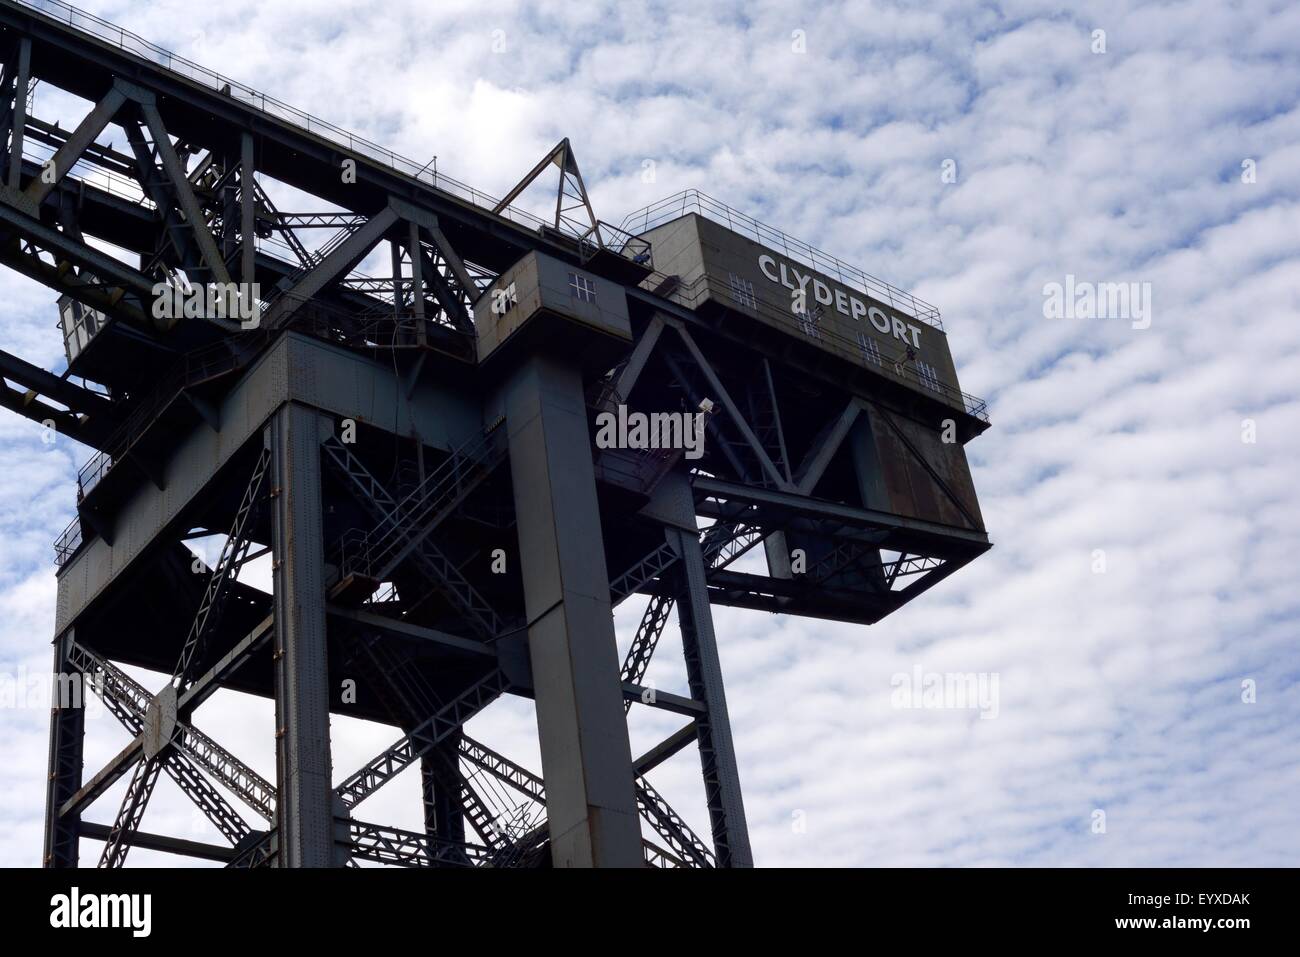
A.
x: 704, y: 672
x: 184, y: 192
x: 848, y: 514
x: 813, y: 467
x: 247, y: 210
x: 161, y: 842
x: 334, y: 266
x: 586, y: 759
x: 636, y: 361
x: 729, y: 404
x: 61, y: 163
x: 22, y: 81
x: 205, y: 212
x: 305, y: 817
x: 665, y: 749
x: 305, y: 370
x: 67, y: 734
x: 444, y: 819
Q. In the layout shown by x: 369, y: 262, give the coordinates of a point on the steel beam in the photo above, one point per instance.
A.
x: 67, y: 733
x: 337, y: 264
x: 61, y: 163
x: 104, y: 779
x: 632, y: 369
x: 704, y: 672
x: 728, y: 403
x: 305, y: 814
x: 22, y: 82
x: 586, y: 759
x: 184, y: 190
x: 160, y: 842
x: 945, y: 539
x: 666, y: 748
x: 421, y: 740
x: 247, y: 210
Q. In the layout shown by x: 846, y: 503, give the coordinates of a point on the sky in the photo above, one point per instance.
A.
x: 1138, y: 615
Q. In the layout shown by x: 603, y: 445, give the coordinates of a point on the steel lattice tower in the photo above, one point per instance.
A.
x: 416, y: 453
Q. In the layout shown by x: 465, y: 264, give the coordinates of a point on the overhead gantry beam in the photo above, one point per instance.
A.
x: 159, y: 842
x: 75, y: 146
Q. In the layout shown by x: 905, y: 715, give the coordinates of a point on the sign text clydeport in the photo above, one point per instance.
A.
x: 845, y: 303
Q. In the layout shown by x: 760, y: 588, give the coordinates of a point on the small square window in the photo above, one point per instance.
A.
x: 928, y: 376
x: 742, y: 290
x: 870, y: 349
x: 810, y: 321
x: 582, y: 288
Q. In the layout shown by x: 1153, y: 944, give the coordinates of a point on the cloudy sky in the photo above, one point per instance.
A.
x: 1139, y: 483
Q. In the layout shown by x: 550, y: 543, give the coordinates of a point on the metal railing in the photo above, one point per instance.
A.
x: 131, y: 43
x: 372, y: 552
x: 85, y: 171
x: 612, y: 239
x: 693, y: 201
x: 193, y: 368
x: 66, y: 545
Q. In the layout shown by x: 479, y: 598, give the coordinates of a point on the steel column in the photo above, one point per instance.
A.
x: 586, y: 759
x: 444, y: 818
x: 67, y: 735
x: 22, y: 81
x: 247, y: 211
x: 704, y: 673
x: 305, y: 806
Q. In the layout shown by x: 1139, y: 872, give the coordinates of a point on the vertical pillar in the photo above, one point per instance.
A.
x: 586, y: 759
x: 866, y: 464
x: 444, y: 818
x: 871, y: 482
x: 247, y: 211
x: 417, y: 281
x: 22, y: 80
x: 704, y: 673
x: 304, y: 809
x: 67, y: 734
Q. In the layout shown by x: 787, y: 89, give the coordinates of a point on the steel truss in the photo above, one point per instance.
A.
x: 378, y: 548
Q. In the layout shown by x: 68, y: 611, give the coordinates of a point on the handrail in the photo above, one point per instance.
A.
x: 442, y: 487
x: 66, y: 545
x: 123, y: 39
x: 192, y: 368
x: 693, y: 201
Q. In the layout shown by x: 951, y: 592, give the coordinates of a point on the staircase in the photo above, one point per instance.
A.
x: 410, y: 520
x: 402, y: 528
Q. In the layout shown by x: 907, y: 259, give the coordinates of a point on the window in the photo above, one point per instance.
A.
x: 583, y: 289
x: 742, y: 290
x: 80, y: 324
x: 808, y: 321
x: 870, y: 349
x: 927, y: 376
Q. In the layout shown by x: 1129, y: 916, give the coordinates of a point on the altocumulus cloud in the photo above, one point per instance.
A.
x: 1116, y: 448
